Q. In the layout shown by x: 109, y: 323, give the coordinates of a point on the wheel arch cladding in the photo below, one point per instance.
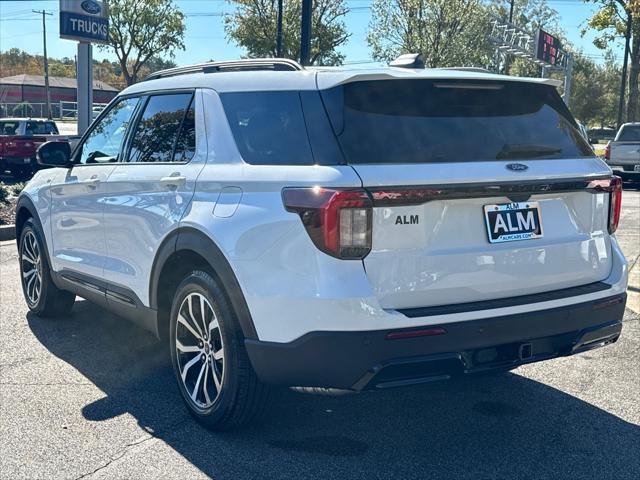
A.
x: 182, y: 251
x: 24, y: 210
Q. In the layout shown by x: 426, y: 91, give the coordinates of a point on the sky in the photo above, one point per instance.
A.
x: 205, y: 37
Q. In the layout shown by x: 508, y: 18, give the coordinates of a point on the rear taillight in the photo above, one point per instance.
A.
x: 338, y: 221
x: 615, y: 203
x: 607, y: 151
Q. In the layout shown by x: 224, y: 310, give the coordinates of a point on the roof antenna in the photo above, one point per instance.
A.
x: 408, y: 60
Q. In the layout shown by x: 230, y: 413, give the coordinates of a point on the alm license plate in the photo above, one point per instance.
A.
x: 509, y: 222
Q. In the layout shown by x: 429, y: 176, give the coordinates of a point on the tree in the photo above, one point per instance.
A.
x: 446, y: 32
x: 253, y: 26
x: 528, y: 14
x: 610, y: 20
x: 140, y: 30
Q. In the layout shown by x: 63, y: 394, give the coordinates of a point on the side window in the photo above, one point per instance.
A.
x: 51, y: 128
x: 104, y: 143
x: 31, y: 128
x: 268, y: 127
x: 155, y: 137
x: 186, y: 144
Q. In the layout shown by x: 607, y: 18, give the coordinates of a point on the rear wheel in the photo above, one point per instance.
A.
x: 214, y: 374
x: 42, y: 296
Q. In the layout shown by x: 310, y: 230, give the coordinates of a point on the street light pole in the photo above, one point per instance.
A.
x: 46, y: 61
x: 279, y: 31
x: 305, y: 32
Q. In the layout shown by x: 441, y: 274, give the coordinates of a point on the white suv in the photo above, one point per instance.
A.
x: 339, y: 228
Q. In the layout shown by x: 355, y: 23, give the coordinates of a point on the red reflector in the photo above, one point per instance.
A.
x: 425, y: 332
x: 607, y: 303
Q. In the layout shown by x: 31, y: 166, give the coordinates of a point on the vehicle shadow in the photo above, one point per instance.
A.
x: 504, y: 426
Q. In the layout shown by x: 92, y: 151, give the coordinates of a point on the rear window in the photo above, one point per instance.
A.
x: 418, y: 121
x: 629, y: 133
x: 41, y: 128
x: 9, y: 128
x: 268, y: 127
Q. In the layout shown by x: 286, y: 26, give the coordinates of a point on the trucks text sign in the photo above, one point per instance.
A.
x: 84, y: 20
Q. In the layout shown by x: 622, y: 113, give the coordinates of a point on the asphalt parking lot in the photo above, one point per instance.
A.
x: 91, y: 396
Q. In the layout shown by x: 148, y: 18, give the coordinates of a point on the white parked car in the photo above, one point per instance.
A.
x: 338, y: 228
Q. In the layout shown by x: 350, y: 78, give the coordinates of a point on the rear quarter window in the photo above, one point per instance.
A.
x: 268, y: 127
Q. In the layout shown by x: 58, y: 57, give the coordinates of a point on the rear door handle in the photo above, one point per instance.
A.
x: 174, y: 181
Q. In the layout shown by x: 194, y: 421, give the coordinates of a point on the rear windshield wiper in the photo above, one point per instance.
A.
x: 526, y: 150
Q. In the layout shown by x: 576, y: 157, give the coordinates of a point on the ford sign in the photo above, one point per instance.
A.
x: 517, y: 167
x: 91, y: 7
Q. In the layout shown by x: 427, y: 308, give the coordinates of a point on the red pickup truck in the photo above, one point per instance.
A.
x: 19, y: 140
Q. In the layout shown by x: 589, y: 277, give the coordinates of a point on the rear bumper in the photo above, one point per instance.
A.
x: 26, y: 160
x: 623, y: 161
x: 366, y: 359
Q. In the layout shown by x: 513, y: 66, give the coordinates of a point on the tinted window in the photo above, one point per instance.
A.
x: 156, y: 133
x: 268, y: 127
x: 41, y: 128
x: 414, y: 121
x: 105, y: 140
x: 630, y: 133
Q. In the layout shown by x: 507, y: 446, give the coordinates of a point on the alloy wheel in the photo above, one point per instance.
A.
x: 31, y: 262
x: 199, y: 350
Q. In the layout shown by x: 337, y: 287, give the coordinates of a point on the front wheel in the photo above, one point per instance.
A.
x: 214, y: 374
x: 42, y: 296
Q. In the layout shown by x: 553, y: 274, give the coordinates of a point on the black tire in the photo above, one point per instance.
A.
x: 241, y: 397
x: 50, y: 301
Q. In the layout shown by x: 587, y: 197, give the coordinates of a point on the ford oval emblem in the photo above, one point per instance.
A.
x: 91, y: 7
x: 517, y: 167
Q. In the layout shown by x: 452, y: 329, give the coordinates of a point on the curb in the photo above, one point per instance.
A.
x: 7, y: 232
x: 633, y: 290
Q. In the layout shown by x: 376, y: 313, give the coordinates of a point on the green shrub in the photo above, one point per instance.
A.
x: 4, y: 192
x: 17, y: 188
x: 7, y: 191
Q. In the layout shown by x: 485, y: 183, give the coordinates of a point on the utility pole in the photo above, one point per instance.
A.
x: 568, y: 75
x: 305, y: 32
x: 279, y: 31
x: 506, y: 57
x: 623, y: 80
x: 46, y: 61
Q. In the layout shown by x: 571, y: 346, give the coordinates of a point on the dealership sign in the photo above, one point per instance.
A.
x: 84, y: 20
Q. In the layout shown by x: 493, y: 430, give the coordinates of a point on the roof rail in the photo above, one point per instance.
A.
x: 467, y: 69
x: 249, y: 64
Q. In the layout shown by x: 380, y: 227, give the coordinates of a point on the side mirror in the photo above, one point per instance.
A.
x: 54, y: 154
